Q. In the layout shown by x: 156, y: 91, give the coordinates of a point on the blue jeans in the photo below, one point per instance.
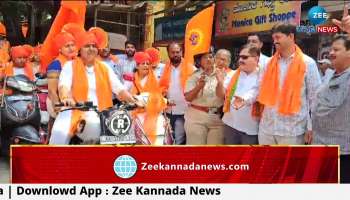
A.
x: 177, y: 123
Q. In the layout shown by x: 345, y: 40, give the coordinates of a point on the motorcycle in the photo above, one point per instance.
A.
x: 115, y: 126
x: 20, y: 113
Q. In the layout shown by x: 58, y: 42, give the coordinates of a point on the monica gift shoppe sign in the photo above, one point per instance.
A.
x: 236, y: 17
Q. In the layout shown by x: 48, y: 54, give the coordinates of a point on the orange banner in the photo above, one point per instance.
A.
x: 70, y: 12
x: 198, y: 33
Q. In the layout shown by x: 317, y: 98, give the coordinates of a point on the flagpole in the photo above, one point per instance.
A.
x: 213, y: 32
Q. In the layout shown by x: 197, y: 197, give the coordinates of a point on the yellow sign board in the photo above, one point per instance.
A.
x: 237, y: 17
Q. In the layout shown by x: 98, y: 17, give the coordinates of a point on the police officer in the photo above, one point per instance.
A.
x: 205, y: 92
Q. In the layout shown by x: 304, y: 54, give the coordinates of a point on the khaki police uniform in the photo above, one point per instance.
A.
x: 203, y: 124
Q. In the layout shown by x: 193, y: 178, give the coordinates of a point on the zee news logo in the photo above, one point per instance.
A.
x: 327, y: 29
x: 317, y: 15
x: 318, y: 29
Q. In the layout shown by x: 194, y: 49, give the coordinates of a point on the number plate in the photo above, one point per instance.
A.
x: 126, y: 139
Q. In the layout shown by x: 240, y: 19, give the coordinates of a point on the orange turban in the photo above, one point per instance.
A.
x: 86, y: 38
x: 154, y: 54
x: 29, y: 49
x: 94, y: 36
x: 74, y: 29
x: 62, y: 39
x: 101, y: 36
x: 20, y: 51
x: 2, y: 30
x: 37, y: 49
x: 141, y: 57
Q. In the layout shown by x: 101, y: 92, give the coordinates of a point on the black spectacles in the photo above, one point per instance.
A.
x: 244, y: 57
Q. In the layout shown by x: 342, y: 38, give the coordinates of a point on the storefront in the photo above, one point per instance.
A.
x: 236, y: 19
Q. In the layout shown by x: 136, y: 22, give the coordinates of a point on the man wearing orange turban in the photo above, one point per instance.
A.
x: 85, y: 79
x: 104, y: 52
x: 4, y: 51
x: 19, y: 64
x: 157, y: 66
x: 36, y: 59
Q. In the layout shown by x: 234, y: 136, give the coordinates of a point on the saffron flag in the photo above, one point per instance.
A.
x: 198, y: 33
x: 2, y: 30
x: 69, y: 12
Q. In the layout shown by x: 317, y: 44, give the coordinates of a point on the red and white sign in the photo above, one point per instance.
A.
x: 327, y: 29
x: 149, y: 164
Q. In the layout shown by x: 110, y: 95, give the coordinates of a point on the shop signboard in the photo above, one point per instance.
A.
x: 237, y: 17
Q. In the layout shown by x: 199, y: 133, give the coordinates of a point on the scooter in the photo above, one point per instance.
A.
x: 20, y: 113
x: 115, y: 126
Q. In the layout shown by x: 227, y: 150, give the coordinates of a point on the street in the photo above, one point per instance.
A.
x: 4, y: 171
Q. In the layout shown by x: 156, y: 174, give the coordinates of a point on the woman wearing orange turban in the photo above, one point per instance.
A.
x: 157, y: 67
x: 85, y: 79
x: 145, y: 83
x: 144, y: 78
x: 65, y: 49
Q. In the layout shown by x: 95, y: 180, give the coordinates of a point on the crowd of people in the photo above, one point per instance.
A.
x: 286, y: 99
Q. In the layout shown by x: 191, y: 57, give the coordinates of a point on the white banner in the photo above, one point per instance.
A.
x: 175, y: 191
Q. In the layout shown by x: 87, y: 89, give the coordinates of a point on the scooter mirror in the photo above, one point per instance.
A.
x: 40, y: 75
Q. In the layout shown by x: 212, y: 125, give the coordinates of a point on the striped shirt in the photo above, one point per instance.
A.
x: 331, y: 113
x: 125, y: 65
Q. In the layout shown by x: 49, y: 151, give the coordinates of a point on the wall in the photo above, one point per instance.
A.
x: 154, y: 6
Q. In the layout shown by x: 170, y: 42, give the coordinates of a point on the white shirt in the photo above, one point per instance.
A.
x: 125, y: 65
x: 158, y: 72
x: 66, y: 79
x: 229, y: 74
x: 263, y: 60
x: 241, y: 119
x: 176, y: 93
x: 18, y: 71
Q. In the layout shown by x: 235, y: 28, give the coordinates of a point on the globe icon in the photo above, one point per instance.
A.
x: 125, y: 166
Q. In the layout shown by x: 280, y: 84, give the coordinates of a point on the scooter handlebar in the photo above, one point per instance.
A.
x: 130, y: 106
x: 59, y: 104
x: 77, y: 104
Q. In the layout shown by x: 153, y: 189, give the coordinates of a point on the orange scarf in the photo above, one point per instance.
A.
x: 155, y: 103
x: 80, y: 89
x: 289, y: 98
x: 151, y: 84
x: 185, y: 71
x: 231, y: 90
x: 28, y: 70
x: 4, y: 57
